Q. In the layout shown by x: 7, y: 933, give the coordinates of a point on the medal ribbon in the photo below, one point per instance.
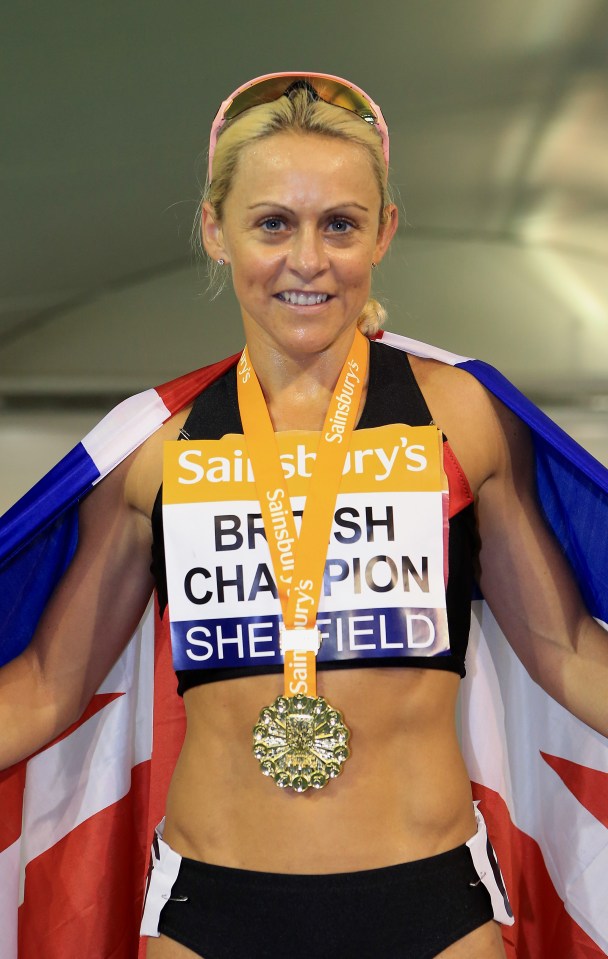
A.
x: 299, y: 562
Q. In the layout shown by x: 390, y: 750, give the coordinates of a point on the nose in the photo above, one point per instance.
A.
x: 307, y: 254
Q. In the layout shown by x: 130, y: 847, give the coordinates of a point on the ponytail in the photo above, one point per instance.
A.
x: 372, y: 318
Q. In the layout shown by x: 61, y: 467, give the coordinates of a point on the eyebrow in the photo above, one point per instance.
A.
x: 286, y: 209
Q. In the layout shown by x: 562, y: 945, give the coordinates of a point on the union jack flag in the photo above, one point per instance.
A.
x: 77, y: 817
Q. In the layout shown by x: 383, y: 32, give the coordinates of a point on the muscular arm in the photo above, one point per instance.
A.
x: 85, y: 627
x: 528, y: 583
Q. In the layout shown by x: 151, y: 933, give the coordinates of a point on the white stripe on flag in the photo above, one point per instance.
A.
x: 10, y: 884
x: 418, y: 348
x: 124, y: 429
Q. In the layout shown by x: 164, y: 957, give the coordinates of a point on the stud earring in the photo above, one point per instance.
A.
x: 220, y: 262
x: 374, y: 265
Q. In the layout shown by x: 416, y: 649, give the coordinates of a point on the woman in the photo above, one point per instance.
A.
x: 380, y: 862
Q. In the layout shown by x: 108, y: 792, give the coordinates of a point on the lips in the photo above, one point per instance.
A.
x: 298, y: 298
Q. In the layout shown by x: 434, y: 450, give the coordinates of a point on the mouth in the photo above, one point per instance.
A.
x: 300, y: 298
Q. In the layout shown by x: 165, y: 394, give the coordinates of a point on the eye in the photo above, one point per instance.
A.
x: 340, y: 225
x: 272, y: 224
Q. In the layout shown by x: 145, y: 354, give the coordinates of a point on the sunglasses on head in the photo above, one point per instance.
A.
x: 330, y: 89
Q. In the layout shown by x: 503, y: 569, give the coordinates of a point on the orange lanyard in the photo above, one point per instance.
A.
x: 299, y: 577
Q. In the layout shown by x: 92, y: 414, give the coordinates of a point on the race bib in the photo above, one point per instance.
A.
x: 383, y: 589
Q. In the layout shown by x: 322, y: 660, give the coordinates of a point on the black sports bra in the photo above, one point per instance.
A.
x: 393, y: 396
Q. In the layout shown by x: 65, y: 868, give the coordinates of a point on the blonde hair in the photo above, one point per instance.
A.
x: 298, y: 113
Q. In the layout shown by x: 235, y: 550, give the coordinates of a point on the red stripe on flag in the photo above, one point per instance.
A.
x: 12, y: 783
x: 179, y: 392
x: 542, y: 925
x: 590, y: 786
x: 83, y: 897
x: 169, y: 723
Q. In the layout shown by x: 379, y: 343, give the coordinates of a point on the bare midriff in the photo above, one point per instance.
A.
x: 403, y: 794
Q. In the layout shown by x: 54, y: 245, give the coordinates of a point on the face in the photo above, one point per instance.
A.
x: 301, y: 228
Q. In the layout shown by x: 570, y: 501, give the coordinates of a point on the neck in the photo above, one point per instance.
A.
x: 297, y: 389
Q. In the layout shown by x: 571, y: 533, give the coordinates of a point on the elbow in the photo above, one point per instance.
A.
x: 58, y: 708
x: 69, y: 711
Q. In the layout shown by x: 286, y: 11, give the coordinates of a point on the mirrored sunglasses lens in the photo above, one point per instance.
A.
x: 264, y: 92
x: 341, y: 96
x: 328, y: 90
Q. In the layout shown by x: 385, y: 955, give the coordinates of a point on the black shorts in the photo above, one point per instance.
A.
x: 409, y: 911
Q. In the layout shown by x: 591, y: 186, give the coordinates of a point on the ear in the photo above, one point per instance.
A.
x: 212, y: 233
x: 386, y: 231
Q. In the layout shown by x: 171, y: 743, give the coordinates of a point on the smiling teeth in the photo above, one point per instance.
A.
x: 303, y: 299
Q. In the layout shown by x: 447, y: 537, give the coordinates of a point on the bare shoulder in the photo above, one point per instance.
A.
x: 433, y: 374
x: 483, y: 433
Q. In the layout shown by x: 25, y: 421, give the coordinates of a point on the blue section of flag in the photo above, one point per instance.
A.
x: 68, y: 481
x: 29, y: 579
x: 572, y: 487
x: 38, y: 537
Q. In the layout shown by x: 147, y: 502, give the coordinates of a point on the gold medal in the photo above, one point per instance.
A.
x: 300, y: 741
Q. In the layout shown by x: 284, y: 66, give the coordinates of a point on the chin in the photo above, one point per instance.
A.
x: 300, y: 335
x: 318, y: 328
